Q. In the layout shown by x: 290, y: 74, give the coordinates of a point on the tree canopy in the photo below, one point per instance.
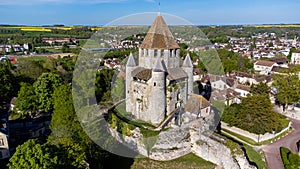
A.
x: 288, y: 87
x: 255, y: 114
x: 44, y: 88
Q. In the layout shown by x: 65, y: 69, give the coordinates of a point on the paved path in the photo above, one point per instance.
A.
x: 272, y: 151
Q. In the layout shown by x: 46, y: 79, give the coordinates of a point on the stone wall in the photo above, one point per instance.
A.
x: 177, y: 142
x: 252, y: 136
x: 218, y: 153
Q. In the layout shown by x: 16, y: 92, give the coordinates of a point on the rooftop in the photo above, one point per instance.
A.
x: 159, y: 36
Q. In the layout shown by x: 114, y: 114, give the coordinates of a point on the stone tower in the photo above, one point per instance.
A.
x: 158, y: 93
x: 158, y: 85
x: 130, y: 66
x: 187, y: 66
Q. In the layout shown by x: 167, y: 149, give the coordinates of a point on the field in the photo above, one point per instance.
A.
x: 277, y: 26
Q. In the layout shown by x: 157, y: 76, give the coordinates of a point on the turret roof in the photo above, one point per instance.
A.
x: 158, y: 66
x: 130, y: 61
x: 187, y: 61
x: 159, y: 36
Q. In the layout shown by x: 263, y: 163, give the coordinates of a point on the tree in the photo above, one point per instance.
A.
x: 44, y: 87
x: 32, y: 154
x: 65, y: 48
x: 64, y: 121
x: 287, y: 86
x: 292, y: 50
x: 26, y: 101
x: 260, y: 89
x: 68, y: 135
x: 7, y: 87
x: 255, y: 114
x: 31, y: 69
x: 229, y: 65
x: 118, y: 90
x: 103, y: 84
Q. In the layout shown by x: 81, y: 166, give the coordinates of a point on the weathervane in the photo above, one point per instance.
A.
x: 158, y: 7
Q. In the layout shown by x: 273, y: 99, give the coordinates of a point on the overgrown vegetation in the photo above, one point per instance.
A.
x: 289, y: 159
x: 190, y: 161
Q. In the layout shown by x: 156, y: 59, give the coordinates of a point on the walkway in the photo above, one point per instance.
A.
x: 272, y: 151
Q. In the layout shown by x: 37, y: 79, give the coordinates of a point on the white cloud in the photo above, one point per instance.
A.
x: 32, y: 2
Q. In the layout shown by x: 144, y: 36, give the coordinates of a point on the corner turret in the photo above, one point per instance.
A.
x: 187, y: 66
x: 158, y: 93
x: 130, y: 66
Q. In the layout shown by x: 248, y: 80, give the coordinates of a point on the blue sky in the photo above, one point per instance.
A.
x: 101, y: 12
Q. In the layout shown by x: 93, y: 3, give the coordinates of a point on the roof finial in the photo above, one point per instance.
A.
x: 159, y: 8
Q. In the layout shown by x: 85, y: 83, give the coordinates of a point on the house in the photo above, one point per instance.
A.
x: 282, y: 62
x: 243, y: 90
x: 4, y: 148
x: 244, y: 78
x: 232, y: 96
x: 197, y: 105
x: 219, y: 83
x: 264, y: 66
x: 295, y: 59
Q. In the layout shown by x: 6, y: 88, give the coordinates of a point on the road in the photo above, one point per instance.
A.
x: 272, y: 151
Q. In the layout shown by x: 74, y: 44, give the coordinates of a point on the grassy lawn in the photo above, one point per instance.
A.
x: 255, y: 157
x: 289, y: 159
x: 246, y: 139
x: 189, y: 161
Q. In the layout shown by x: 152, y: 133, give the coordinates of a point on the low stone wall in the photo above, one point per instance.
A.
x: 252, y: 136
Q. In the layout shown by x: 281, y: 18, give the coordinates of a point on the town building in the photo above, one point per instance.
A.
x: 295, y: 59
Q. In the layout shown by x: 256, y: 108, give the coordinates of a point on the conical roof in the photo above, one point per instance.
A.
x: 158, y: 66
x: 159, y: 36
x: 130, y: 61
x: 187, y: 61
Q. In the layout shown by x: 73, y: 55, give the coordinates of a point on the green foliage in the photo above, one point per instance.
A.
x: 255, y: 157
x: 232, y: 61
x: 103, y: 85
x: 260, y: 89
x: 189, y: 161
x: 7, y: 81
x: 234, y: 147
x: 288, y: 87
x: 292, y: 50
x: 32, y: 154
x: 64, y: 122
x: 26, y: 100
x: 118, y: 90
x: 255, y: 114
x: 289, y: 159
x: 44, y: 88
x: 31, y: 68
